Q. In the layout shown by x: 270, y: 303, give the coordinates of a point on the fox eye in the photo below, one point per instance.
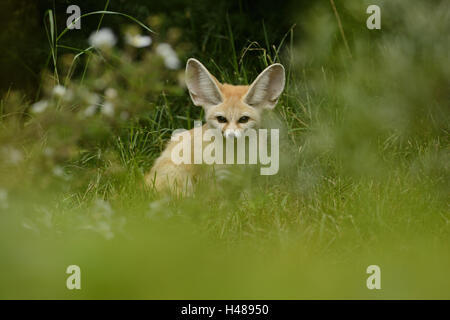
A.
x: 243, y: 119
x: 222, y: 119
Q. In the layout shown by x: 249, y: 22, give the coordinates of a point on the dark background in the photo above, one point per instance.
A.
x: 25, y: 47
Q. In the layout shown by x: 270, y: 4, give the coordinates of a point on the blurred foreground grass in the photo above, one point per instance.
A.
x: 364, y: 177
x: 276, y: 245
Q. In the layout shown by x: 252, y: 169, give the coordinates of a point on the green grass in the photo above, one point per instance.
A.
x: 364, y: 177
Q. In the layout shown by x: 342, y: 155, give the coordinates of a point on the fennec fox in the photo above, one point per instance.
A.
x: 228, y: 108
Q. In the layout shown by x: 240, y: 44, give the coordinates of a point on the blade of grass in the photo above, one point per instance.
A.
x: 98, y: 28
x: 341, y: 29
x: 277, y: 50
x: 51, y: 39
x: 231, y: 37
x: 70, y: 72
x: 103, y: 12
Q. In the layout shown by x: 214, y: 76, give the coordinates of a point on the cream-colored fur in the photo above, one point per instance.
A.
x: 240, y: 106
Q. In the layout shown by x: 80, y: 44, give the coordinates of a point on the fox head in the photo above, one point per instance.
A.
x: 234, y: 109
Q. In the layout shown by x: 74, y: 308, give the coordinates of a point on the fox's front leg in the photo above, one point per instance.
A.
x: 165, y: 175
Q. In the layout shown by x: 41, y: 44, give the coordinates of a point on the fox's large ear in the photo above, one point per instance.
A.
x: 203, y: 87
x: 267, y: 88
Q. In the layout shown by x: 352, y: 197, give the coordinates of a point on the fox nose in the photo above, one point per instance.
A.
x: 232, y: 133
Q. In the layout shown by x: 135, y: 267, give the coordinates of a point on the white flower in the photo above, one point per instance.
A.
x: 164, y: 49
x: 110, y: 93
x: 59, y: 90
x: 12, y: 155
x: 3, y: 194
x: 49, y: 152
x: 93, y: 99
x: 90, y: 111
x: 172, y: 62
x: 62, y: 92
x: 108, y: 109
x: 103, y: 38
x: 3, y: 199
x: 138, y: 41
x: 104, y: 229
x: 169, y: 55
x: 58, y: 171
x: 103, y: 208
x: 39, y: 106
x: 159, y: 208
